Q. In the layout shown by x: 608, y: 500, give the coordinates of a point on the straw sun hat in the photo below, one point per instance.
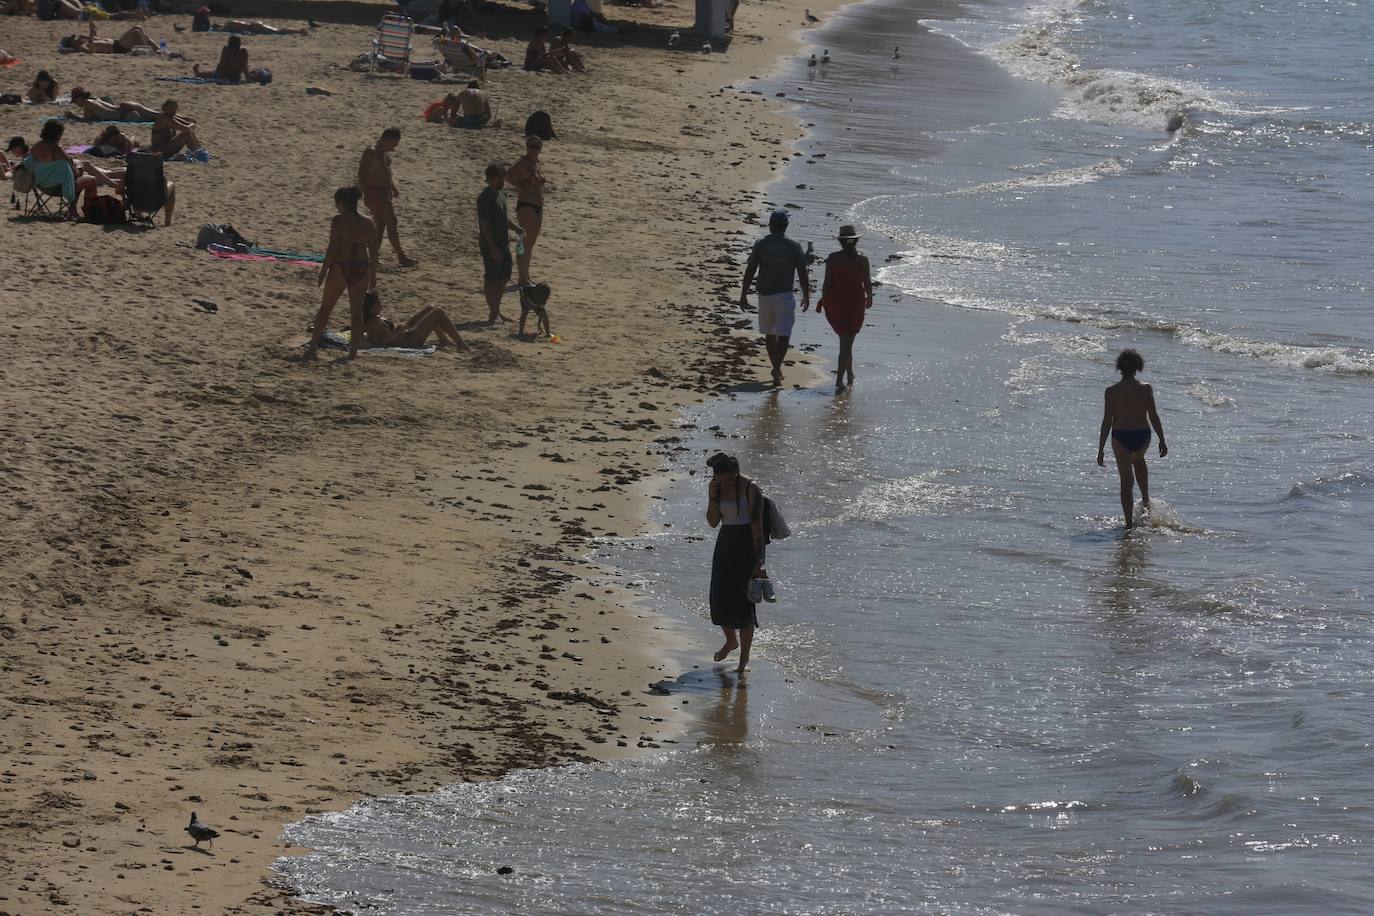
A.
x: 847, y: 232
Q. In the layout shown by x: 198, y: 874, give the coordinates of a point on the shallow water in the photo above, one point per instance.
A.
x: 975, y: 694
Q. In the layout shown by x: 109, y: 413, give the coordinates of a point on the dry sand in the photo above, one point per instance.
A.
x: 254, y: 587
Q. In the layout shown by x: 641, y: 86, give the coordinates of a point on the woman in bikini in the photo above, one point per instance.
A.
x: 382, y: 332
x: 172, y: 134
x: 350, y: 263
x: 527, y: 177
x: 93, y: 44
x: 1127, y: 416
x: 44, y: 88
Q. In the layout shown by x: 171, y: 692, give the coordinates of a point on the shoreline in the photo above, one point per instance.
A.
x: 243, y: 603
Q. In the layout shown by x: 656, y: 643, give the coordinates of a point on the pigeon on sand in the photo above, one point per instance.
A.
x: 200, y: 831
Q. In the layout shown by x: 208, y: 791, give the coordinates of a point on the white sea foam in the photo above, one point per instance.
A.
x: 1058, y: 178
x: 913, y: 276
x: 1107, y: 96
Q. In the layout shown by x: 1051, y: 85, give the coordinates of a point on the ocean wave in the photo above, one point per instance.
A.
x: 1103, y: 95
x: 1336, y: 360
x: 1338, y: 486
x: 907, y: 497
x: 1059, y: 178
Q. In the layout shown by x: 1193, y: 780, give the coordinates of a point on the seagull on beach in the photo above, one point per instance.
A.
x: 199, y: 831
x: 812, y: 61
x: 810, y: 18
x: 897, y: 53
x: 706, y: 48
x: 825, y: 58
x: 673, y: 39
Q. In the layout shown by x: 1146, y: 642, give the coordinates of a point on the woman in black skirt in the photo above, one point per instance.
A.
x: 736, y: 507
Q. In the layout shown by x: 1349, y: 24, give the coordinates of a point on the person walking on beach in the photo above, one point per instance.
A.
x: 1129, y: 405
x: 775, y: 259
x: 379, y: 189
x: 846, y: 294
x: 735, y: 507
x: 494, y: 227
x: 527, y: 178
x: 350, y: 263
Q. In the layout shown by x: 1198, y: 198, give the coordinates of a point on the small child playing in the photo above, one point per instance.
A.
x: 533, y: 298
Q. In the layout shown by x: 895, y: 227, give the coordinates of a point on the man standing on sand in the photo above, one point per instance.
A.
x: 379, y: 189
x: 775, y: 259
x: 494, y: 227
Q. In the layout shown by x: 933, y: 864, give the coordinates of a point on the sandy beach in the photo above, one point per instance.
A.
x: 254, y: 587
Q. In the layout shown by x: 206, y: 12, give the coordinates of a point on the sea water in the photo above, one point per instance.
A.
x: 977, y: 694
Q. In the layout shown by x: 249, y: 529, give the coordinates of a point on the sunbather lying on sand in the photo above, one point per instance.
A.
x: 90, y: 108
x: 382, y: 332
x: 254, y: 27
x: 93, y: 44
x: 112, y: 140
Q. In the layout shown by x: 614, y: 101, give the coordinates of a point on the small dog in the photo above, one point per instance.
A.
x: 534, y: 297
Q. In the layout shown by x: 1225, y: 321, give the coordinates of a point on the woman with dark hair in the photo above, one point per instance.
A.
x: 93, y: 44
x: 563, y: 50
x: 14, y: 153
x: 44, y: 88
x: 232, y: 66
x: 1127, y: 417
x: 112, y: 142
x: 350, y: 263
x: 537, y: 56
x: 846, y: 295
x: 735, y: 507
x: 53, y: 168
x: 173, y: 133
x: 383, y: 332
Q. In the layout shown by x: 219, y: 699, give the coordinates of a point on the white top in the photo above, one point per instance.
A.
x: 734, y: 511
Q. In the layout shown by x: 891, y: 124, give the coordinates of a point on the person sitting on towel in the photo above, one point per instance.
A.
x: 233, y: 63
x: 173, y: 133
x: 537, y: 56
x: 14, y: 153
x: 44, y: 88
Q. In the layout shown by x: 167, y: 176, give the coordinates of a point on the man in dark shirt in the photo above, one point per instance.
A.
x: 493, y: 240
x: 776, y: 259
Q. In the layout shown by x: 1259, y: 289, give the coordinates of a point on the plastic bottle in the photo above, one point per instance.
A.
x: 519, y: 246
x: 162, y: 46
x: 810, y: 253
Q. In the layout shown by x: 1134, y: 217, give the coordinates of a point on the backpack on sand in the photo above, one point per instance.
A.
x: 105, y: 210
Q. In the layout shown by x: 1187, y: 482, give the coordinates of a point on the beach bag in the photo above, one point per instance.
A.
x: 106, y: 211
x: 774, y: 525
x: 540, y: 125
x: 223, y: 235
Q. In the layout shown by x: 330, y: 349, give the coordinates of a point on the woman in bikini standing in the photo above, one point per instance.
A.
x: 527, y: 178
x: 1128, y: 414
x: 350, y: 263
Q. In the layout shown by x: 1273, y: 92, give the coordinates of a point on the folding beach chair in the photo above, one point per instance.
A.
x: 145, y: 186
x: 456, y: 56
x: 46, y: 201
x: 394, y: 41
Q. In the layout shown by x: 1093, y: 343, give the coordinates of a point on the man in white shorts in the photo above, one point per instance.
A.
x: 776, y: 259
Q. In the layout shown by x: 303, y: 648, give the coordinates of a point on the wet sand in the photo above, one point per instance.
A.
x: 254, y: 587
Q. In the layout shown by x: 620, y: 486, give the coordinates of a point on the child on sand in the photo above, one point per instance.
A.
x: 1129, y: 404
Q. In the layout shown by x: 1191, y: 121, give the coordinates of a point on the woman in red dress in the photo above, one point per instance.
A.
x: 845, y: 296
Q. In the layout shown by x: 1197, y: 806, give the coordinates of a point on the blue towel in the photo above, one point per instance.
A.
x: 57, y: 173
